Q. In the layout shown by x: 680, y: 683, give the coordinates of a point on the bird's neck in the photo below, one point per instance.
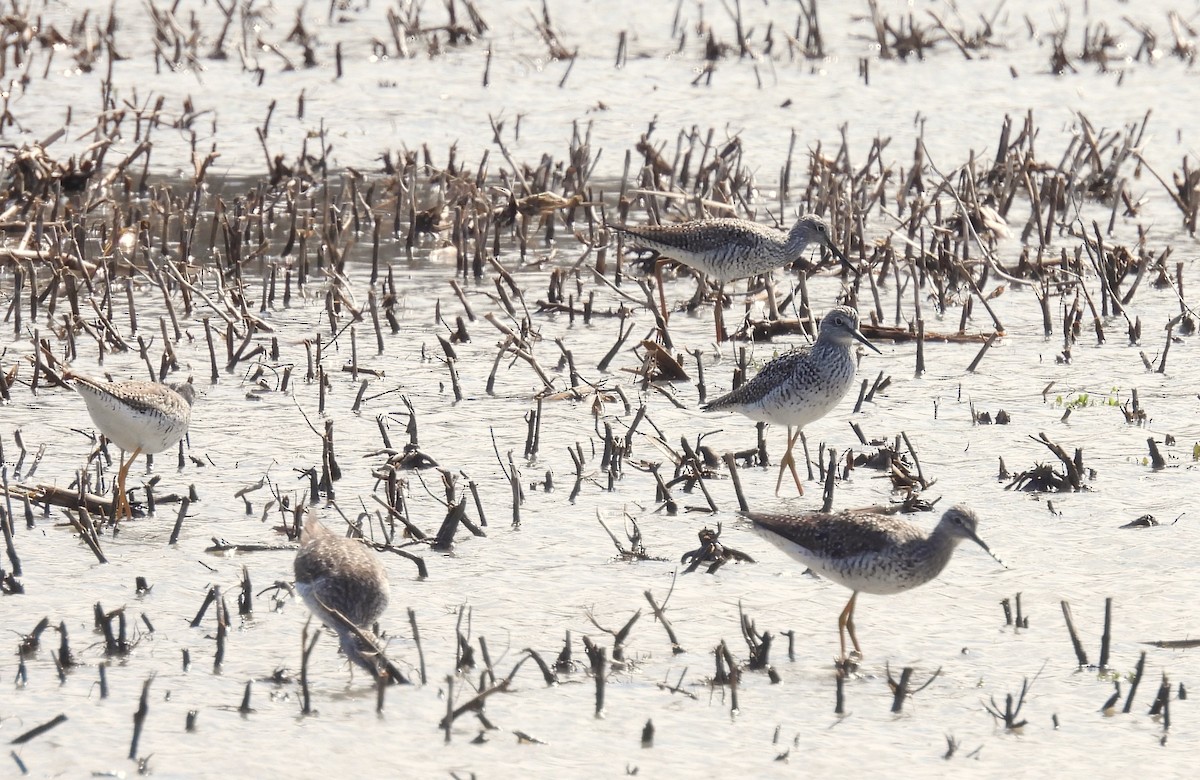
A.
x: 937, y: 550
x: 796, y: 241
x: 827, y: 351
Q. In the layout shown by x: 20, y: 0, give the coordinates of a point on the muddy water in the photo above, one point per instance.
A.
x: 527, y: 587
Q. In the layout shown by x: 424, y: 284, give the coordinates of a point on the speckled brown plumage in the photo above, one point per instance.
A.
x: 727, y: 249
x: 868, y: 550
x: 803, y: 385
x: 139, y: 417
x: 333, y: 572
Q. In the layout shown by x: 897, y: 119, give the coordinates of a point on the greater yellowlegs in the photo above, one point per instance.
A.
x: 336, y: 574
x: 139, y: 417
x: 727, y: 249
x: 802, y: 385
x: 868, y: 550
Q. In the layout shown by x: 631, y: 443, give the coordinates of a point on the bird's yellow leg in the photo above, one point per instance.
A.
x: 791, y: 456
x: 846, y: 624
x: 789, y: 461
x: 719, y: 314
x: 123, y: 509
x: 701, y: 289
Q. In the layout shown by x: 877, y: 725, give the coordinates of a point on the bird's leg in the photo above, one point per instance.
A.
x: 772, y: 303
x: 783, y: 462
x: 846, y: 624
x: 791, y: 456
x: 789, y: 461
x: 123, y: 509
x: 719, y: 314
x: 662, y: 296
x: 701, y: 288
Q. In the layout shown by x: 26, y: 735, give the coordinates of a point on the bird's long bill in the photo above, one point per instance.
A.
x: 987, y: 549
x: 858, y: 335
x: 828, y: 244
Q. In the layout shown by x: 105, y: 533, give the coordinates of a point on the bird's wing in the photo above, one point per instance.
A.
x: 836, y: 535
x: 763, y: 382
x: 721, y: 234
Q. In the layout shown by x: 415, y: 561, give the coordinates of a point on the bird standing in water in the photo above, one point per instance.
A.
x: 335, y: 574
x: 727, y: 249
x: 868, y: 550
x: 803, y: 385
x: 139, y: 417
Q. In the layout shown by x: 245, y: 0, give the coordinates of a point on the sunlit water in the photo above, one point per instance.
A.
x: 526, y: 587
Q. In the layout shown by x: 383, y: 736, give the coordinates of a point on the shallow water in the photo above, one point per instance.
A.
x: 526, y: 587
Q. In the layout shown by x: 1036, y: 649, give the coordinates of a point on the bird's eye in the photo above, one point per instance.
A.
x: 820, y: 227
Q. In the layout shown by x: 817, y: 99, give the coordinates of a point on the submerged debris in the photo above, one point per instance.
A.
x: 713, y: 552
x: 1045, y: 478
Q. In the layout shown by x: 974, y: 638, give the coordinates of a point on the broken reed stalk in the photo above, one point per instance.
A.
x: 412, y: 530
x: 1162, y: 704
x: 1012, y: 708
x: 244, y: 708
x: 489, y: 670
x: 660, y: 616
x: 900, y: 688
x: 912, y: 451
x: 862, y: 396
x: 1162, y: 361
x: 209, y: 598
x: 1106, y: 637
x: 920, y: 370
x: 1070, y: 465
x: 597, y: 658
x: 1133, y: 684
x: 412, y: 621
x: 444, y: 541
x: 478, y: 503
x: 515, y: 480
x: 306, y: 648
x: 731, y: 463
x: 246, y: 594
x: 448, y: 721
x: 65, y: 658
x: 1156, y: 459
x: 139, y: 718
x: 476, y: 703
x: 712, y: 505
x: 222, y: 633
x: 9, y: 545
x: 758, y: 646
x: 807, y: 458
x: 982, y: 350
x: 1114, y: 698
x: 733, y: 679
x: 830, y: 475
x: 1080, y: 653
x: 39, y: 730
x: 87, y: 531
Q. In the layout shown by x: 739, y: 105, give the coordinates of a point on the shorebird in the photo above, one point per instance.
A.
x: 139, y: 417
x: 727, y: 249
x: 802, y: 385
x: 868, y: 550
x: 345, y: 585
